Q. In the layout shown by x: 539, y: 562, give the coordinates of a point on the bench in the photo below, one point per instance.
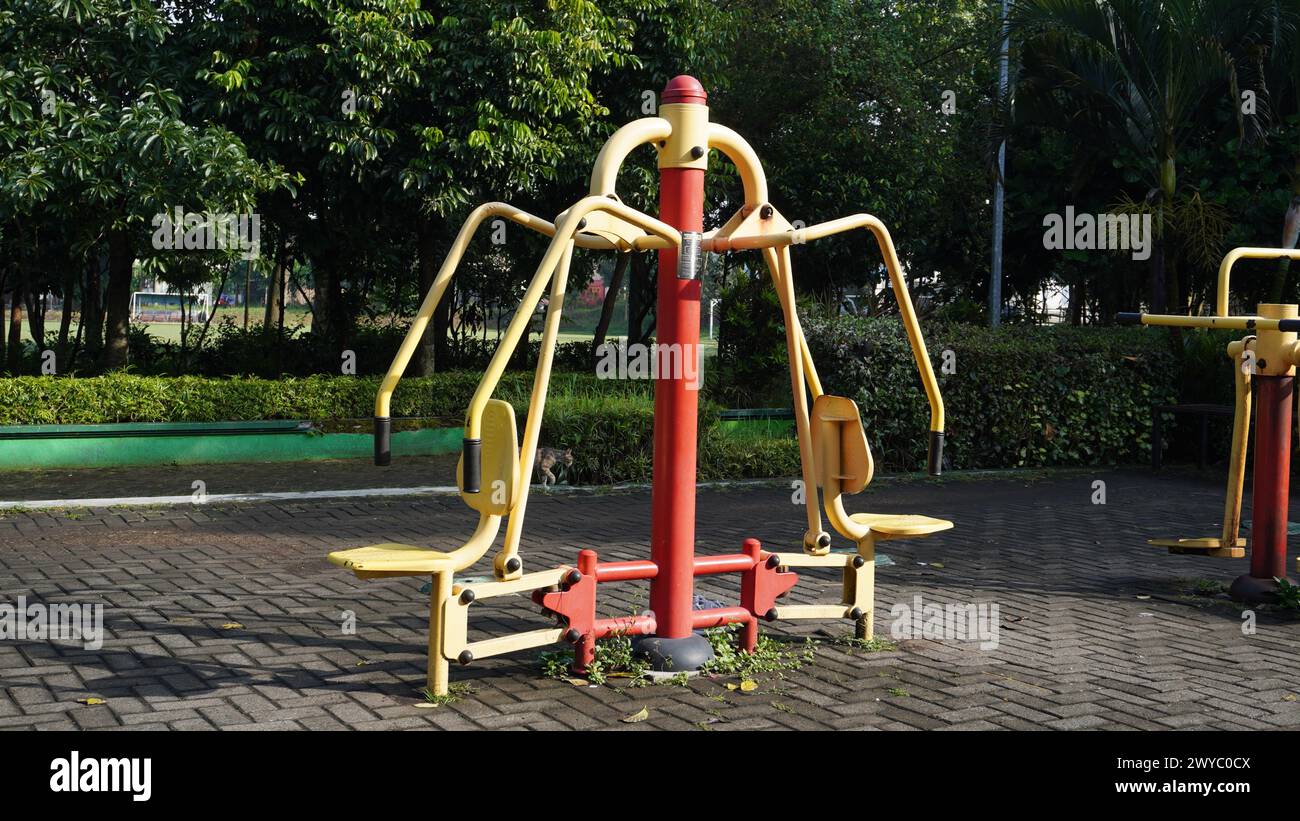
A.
x: 755, y: 423
x: 1203, y: 411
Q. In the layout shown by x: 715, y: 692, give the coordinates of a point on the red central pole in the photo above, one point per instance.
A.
x: 672, y: 534
x: 1270, y: 492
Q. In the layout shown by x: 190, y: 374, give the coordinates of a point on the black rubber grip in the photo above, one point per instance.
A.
x: 383, y: 441
x: 472, y: 465
x: 1127, y: 318
x: 936, y: 453
x: 1288, y: 325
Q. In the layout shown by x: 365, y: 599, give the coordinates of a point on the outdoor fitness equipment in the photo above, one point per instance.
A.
x: 1267, y: 358
x: 494, y: 469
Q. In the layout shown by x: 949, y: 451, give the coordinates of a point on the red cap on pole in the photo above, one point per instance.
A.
x: 684, y: 89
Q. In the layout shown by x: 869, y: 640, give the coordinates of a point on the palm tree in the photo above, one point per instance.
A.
x: 1270, y: 64
x: 1141, y: 71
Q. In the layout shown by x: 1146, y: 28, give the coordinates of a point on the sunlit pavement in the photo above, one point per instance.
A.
x: 228, y: 616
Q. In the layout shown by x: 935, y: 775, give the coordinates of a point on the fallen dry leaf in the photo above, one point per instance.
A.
x: 232, y: 625
x: 92, y: 701
x: 640, y: 715
x: 748, y: 686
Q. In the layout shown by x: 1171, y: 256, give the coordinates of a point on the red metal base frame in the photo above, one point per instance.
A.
x: 762, y: 582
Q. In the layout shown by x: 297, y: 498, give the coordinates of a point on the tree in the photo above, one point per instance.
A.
x: 397, y: 117
x: 1140, y: 73
x: 113, y: 140
x: 1270, y: 68
x: 847, y: 120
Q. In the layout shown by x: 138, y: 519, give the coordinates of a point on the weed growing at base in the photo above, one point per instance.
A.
x: 871, y: 645
x: 454, y: 693
x: 769, y: 656
x: 616, y: 659
x: 1288, y: 595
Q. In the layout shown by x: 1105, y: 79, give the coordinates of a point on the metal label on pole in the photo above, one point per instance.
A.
x: 689, y: 258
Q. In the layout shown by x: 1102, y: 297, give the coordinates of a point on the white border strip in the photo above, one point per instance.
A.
x: 304, y: 495
x: 212, y: 498
x: 435, y: 490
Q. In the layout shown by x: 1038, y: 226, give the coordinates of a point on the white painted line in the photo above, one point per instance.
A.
x: 211, y: 498
x: 301, y: 495
x: 437, y: 490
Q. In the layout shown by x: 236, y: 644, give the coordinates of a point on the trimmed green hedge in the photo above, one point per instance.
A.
x: 35, y: 400
x: 613, y: 441
x: 609, y: 424
x: 1019, y: 396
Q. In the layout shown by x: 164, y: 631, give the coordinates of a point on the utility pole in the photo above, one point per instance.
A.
x: 995, y: 272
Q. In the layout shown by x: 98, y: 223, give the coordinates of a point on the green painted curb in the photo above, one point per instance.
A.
x: 38, y: 454
x: 45, y: 447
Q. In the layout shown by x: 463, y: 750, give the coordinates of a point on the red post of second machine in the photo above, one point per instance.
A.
x: 1271, y: 490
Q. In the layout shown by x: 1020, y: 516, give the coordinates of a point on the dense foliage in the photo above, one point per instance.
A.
x: 609, y: 425
x: 361, y: 131
x: 1185, y: 111
x: 127, y: 398
x: 1016, y: 396
x: 1021, y: 397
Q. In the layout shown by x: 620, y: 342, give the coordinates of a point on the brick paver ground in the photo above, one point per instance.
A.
x: 229, y: 617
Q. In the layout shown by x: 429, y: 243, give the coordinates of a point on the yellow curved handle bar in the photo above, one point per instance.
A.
x: 653, y: 130
x: 907, y: 311
x: 1221, y: 317
x: 567, y: 227
x: 1225, y: 268
x: 476, y: 218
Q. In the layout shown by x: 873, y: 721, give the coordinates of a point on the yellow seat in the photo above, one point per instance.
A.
x: 393, y: 559
x: 886, y: 526
x: 845, y: 466
x: 1208, y: 546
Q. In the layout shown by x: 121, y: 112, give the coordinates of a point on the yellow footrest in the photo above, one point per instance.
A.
x: 1209, y: 546
x: 900, y: 525
x: 392, y: 560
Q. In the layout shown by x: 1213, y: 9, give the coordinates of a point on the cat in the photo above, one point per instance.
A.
x: 551, y: 461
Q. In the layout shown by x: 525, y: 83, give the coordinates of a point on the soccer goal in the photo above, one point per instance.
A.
x: 151, y: 306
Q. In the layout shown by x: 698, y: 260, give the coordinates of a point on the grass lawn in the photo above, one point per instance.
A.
x: 578, y: 324
x: 171, y: 331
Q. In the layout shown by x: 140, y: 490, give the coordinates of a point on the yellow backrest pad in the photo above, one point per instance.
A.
x: 500, y: 459
x: 840, y: 444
